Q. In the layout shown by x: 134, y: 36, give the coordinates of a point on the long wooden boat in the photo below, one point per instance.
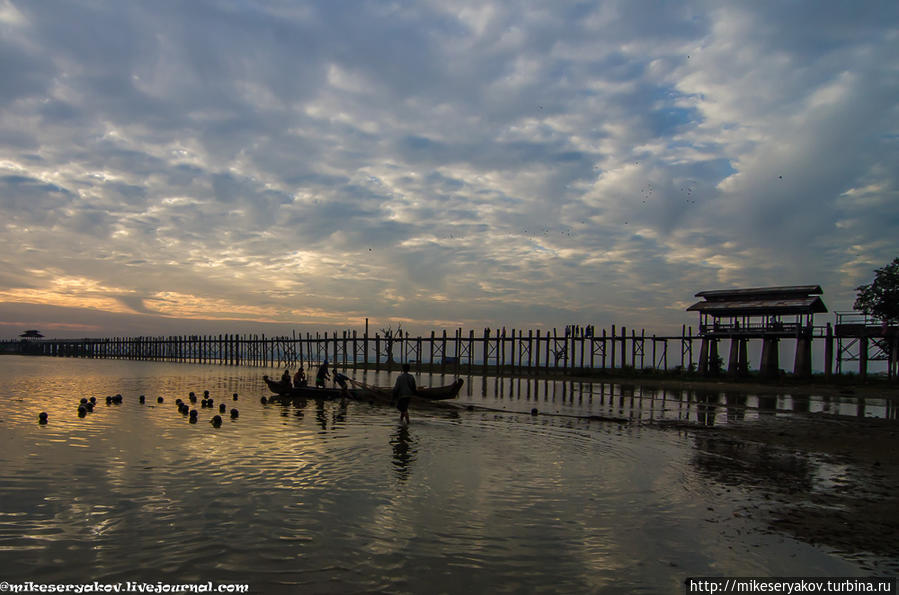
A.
x: 423, y: 393
x: 361, y: 392
x: 282, y: 391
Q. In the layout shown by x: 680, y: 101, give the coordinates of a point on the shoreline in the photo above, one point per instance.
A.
x: 830, y: 482
x: 842, y: 388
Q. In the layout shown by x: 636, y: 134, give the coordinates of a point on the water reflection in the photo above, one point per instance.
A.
x: 403, y: 452
x: 491, y: 499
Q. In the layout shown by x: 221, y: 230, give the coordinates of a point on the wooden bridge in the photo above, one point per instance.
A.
x: 495, y: 350
x: 769, y: 314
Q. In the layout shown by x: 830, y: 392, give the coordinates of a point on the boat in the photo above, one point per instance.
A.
x: 283, y: 391
x: 362, y: 392
x: 423, y: 393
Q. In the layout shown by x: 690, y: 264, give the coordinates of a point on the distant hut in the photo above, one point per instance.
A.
x: 28, y: 343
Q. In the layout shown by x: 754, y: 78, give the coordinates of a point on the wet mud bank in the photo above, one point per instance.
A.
x: 829, y: 481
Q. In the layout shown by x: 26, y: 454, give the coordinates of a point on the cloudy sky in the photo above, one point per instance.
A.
x: 213, y: 166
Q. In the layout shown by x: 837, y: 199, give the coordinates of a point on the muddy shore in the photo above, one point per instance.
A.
x: 847, y: 387
x: 829, y: 481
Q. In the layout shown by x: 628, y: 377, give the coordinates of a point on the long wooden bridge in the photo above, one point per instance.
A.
x: 572, y: 350
x: 575, y: 348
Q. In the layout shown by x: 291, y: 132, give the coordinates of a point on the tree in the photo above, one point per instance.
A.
x: 389, y: 335
x: 881, y: 297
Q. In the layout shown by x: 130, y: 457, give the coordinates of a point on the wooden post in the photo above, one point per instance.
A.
x: 377, y: 351
x: 604, y: 347
x: 502, y: 349
x: 614, y: 347
x: 828, y: 352
x: 863, y: 357
x: 704, y: 357
x: 365, y: 343
x: 893, y: 372
x: 335, y: 346
x: 623, y: 347
x: 537, y: 353
x: 802, y: 361
x: 551, y: 343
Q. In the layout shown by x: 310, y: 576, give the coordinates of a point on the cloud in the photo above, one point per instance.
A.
x: 442, y: 163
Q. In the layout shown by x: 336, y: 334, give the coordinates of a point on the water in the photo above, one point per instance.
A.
x: 338, y: 497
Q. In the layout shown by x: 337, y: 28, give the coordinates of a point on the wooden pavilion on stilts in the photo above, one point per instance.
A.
x: 766, y: 313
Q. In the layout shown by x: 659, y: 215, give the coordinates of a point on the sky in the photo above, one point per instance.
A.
x: 171, y: 167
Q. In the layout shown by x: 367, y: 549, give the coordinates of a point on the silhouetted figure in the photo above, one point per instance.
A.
x: 340, y: 379
x: 322, y: 375
x: 403, y: 391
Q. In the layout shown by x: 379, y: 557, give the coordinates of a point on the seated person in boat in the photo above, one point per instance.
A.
x: 340, y: 379
x: 322, y: 375
x: 299, y: 379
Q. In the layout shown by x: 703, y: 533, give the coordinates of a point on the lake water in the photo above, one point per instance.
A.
x: 331, y: 497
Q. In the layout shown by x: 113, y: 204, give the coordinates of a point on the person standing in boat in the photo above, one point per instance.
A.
x: 322, y: 375
x: 403, y: 391
x: 285, y: 379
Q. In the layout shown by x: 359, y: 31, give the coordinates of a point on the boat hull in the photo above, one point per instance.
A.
x: 362, y: 392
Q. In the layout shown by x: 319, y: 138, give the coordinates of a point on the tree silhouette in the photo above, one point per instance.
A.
x: 880, y: 298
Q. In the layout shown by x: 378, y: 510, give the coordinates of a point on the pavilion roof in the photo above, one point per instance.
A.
x: 761, y: 301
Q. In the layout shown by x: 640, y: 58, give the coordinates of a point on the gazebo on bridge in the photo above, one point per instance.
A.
x: 766, y: 313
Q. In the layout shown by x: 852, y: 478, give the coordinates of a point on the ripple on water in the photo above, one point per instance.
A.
x: 331, y: 497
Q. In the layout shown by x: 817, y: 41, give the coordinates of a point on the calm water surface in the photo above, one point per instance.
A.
x: 338, y: 497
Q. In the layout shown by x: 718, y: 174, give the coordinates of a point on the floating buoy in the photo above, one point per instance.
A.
x: 234, y: 396
x: 222, y: 408
x: 184, y: 409
x: 142, y: 399
x: 83, y: 400
x: 178, y: 402
x: 89, y: 407
x: 94, y: 400
x: 216, y: 421
x: 82, y: 411
x: 263, y: 400
x: 209, y: 402
x: 117, y: 399
x: 108, y: 400
x: 234, y: 414
x: 534, y: 411
x: 193, y: 416
x: 206, y: 394
x: 42, y: 418
x: 204, y: 403
x: 160, y: 400
x: 193, y: 398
